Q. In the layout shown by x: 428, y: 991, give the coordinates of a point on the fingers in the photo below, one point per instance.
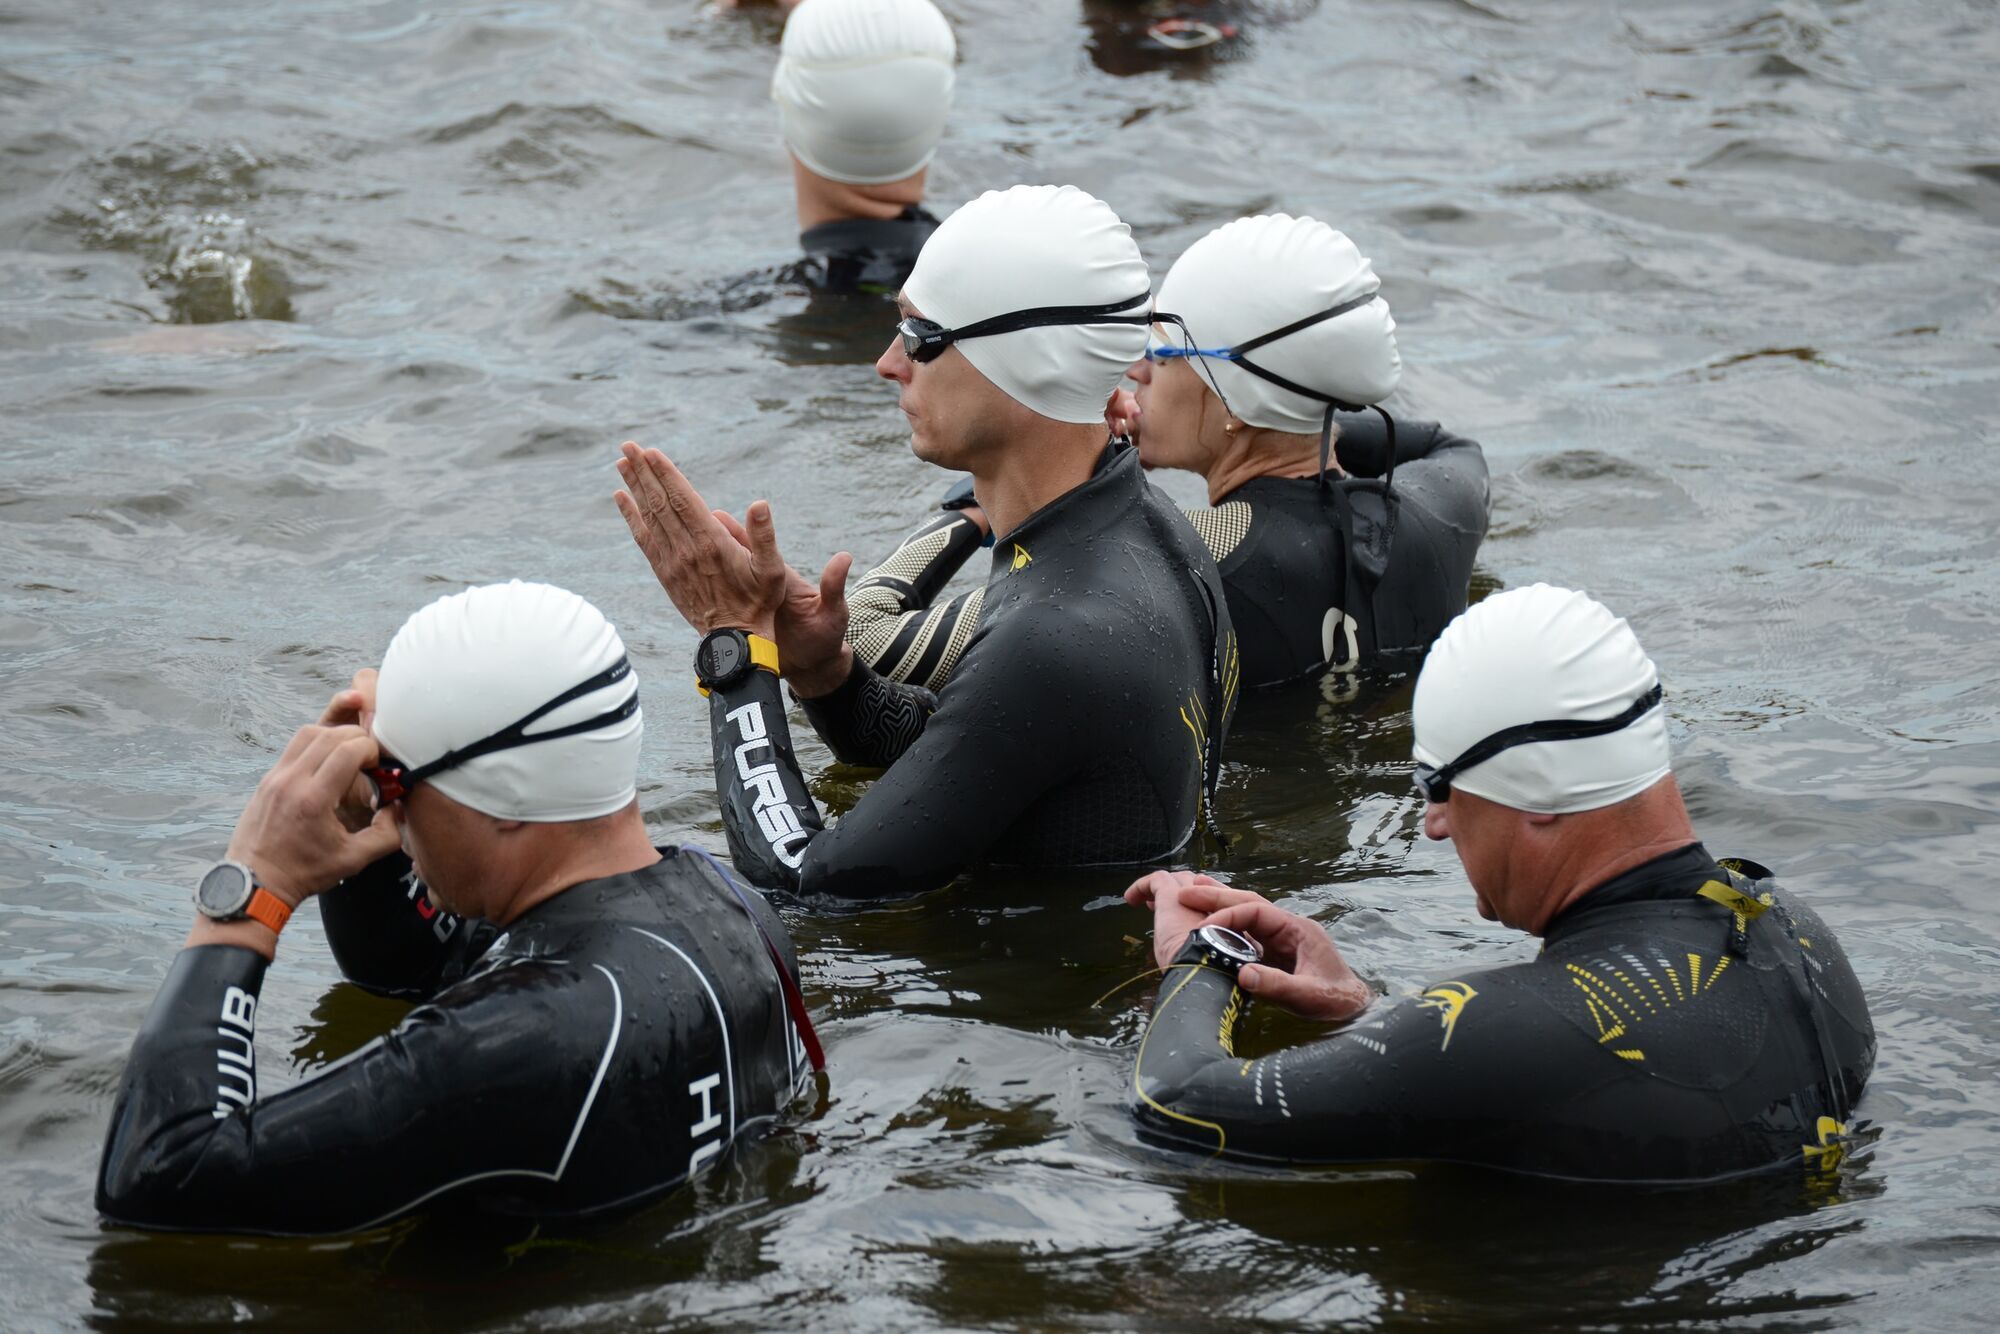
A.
x: 382, y: 836
x: 732, y: 527
x: 1259, y: 918
x: 1148, y: 888
x: 765, y: 562
x: 833, y: 581
x: 1205, y: 895
x: 1302, y: 996
x: 344, y: 707
x: 341, y: 765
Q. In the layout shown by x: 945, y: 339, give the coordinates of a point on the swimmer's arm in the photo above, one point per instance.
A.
x: 191, y: 1147
x: 892, y: 624
x: 389, y: 938
x: 870, y: 720
x: 768, y: 814
x: 1338, y: 1099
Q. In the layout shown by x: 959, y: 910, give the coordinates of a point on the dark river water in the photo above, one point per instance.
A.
x: 313, y: 311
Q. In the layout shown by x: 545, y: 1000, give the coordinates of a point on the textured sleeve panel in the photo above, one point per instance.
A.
x: 1222, y: 528
x: 918, y: 647
x: 870, y: 720
x: 892, y: 624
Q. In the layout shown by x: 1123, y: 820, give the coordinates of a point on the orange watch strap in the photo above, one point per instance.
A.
x: 269, y: 909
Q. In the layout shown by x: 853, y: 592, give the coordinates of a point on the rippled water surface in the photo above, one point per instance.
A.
x: 310, y: 312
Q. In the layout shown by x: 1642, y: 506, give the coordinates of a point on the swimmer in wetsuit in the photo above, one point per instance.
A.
x: 1084, y: 723
x: 1685, y: 1020
x: 1329, y: 559
x: 597, y: 1019
x: 863, y: 88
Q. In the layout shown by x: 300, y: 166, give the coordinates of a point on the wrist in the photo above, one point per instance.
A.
x: 817, y: 680
x: 248, y: 934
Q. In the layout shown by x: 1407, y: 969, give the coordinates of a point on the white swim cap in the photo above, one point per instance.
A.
x: 473, y: 663
x: 1025, y: 248
x: 1532, y: 655
x: 863, y: 87
x: 1256, y: 275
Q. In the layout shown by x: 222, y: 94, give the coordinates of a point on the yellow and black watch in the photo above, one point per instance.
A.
x: 726, y: 657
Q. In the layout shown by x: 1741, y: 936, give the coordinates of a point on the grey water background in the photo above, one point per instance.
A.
x: 311, y: 312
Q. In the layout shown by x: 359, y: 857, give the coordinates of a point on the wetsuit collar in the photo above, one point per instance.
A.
x: 1672, y: 875
x: 904, y: 232
x: 1112, y: 485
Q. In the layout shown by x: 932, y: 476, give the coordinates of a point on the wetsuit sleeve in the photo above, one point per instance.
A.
x: 389, y: 938
x: 767, y: 813
x: 870, y: 720
x: 962, y: 775
x: 892, y: 624
x: 1407, y: 1079
x: 454, y: 1093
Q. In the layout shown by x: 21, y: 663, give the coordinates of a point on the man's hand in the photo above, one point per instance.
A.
x: 355, y: 706
x: 1302, y: 971
x: 715, y: 581
x: 291, y: 833
x: 810, y: 628
x: 1175, y: 912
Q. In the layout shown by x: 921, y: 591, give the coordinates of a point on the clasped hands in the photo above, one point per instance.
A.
x: 722, y: 573
x: 1301, y: 972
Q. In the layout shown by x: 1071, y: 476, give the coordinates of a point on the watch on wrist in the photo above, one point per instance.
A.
x: 727, y: 657
x: 1220, y: 948
x: 229, y: 892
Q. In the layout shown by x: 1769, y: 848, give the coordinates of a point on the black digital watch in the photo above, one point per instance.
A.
x: 727, y: 656
x: 1220, y: 948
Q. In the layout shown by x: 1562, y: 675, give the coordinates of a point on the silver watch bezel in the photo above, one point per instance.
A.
x: 1231, y: 944
x: 242, y: 906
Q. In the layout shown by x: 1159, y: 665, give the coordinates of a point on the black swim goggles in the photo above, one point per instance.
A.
x: 925, y: 340
x: 393, y: 779
x: 1435, y: 783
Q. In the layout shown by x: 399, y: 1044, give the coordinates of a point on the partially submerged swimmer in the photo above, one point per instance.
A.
x: 1076, y: 731
x: 599, y: 1019
x: 1686, y: 1018
x: 1342, y: 543
x: 863, y: 88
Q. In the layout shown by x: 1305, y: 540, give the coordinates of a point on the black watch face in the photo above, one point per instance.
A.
x: 224, y: 891
x: 724, y: 656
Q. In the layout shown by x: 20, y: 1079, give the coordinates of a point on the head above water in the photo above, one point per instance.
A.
x: 1257, y: 275
x: 475, y: 663
x: 863, y: 87
x: 1036, y: 248
x: 1541, y: 744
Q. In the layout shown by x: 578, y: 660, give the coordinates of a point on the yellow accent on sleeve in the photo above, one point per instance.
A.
x: 1139, y: 1066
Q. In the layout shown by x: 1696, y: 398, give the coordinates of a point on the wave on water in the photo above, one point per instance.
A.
x: 181, y: 208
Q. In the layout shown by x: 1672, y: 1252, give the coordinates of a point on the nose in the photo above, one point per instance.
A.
x: 1141, y: 372
x: 1437, y: 820
x: 895, y: 364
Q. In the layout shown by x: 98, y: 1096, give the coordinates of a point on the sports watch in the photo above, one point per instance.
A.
x: 726, y: 657
x: 229, y: 892
x: 1220, y: 948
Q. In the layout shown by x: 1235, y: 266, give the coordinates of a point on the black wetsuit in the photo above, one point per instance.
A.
x: 1292, y: 557
x: 1082, y: 727
x: 1652, y: 1040
x: 608, y: 1044
x: 868, y: 255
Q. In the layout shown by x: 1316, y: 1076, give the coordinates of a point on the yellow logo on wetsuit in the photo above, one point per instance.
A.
x: 1826, y: 1155
x: 1021, y: 558
x: 1448, y: 999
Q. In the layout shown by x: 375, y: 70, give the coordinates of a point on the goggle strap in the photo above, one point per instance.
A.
x: 1554, y: 729
x: 1038, y: 317
x: 1331, y: 314
x: 515, y: 733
